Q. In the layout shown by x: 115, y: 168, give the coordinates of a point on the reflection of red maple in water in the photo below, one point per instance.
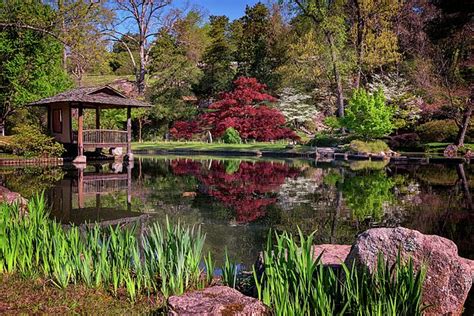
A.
x: 247, y: 190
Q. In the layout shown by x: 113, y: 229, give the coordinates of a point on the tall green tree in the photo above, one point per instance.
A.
x: 252, y: 54
x: 218, y: 72
x: 30, y: 60
x: 328, y: 19
x: 174, y: 76
x: 374, y: 35
x: 75, y: 24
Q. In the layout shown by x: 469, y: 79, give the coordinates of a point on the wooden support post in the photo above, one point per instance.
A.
x: 80, y: 188
x: 129, y: 134
x: 98, y: 150
x: 80, y: 132
x: 49, y: 120
x: 97, y: 117
x: 80, y: 137
x: 129, y: 185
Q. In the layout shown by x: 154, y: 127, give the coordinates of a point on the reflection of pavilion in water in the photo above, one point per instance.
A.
x: 83, y: 196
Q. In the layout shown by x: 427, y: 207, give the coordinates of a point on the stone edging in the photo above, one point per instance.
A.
x: 304, y: 155
x: 32, y: 161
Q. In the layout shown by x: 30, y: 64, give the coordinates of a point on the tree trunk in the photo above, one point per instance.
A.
x: 465, y: 185
x: 359, y: 43
x: 63, y: 32
x: 2, y: 129
x: 464, y: 125
x: 337, y: 76
x: 141, y: 71
x: 140, y: 126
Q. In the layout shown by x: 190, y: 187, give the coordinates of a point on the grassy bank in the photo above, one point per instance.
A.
x: 201, y: 146
x: 24, y: 296
x: 160, y: 262
x: 97, y: 80
x: 440, y: 147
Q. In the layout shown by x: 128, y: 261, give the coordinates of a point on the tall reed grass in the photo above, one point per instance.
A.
x: 165, y: 260
x: 295, y: 283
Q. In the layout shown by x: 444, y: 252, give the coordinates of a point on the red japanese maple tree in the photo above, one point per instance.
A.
x: 245, y: 109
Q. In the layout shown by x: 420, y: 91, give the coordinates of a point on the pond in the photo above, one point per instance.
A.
x: 237, y: 201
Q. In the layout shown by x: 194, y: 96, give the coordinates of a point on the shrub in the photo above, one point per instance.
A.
x: 231, y: 136
x: 368, y: 116
x: 28, y: 141
x: 438, y: 131
x: 332, y: 122
x: 405, y: 141
x: 373, y: 147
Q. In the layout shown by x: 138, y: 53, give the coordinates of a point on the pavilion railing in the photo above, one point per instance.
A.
x: 103, y: 136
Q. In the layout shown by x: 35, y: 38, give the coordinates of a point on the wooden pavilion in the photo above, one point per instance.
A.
x: 60, y: 114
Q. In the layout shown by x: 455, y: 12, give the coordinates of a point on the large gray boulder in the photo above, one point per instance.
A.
x: 448, y: 277
x: 216, y: 300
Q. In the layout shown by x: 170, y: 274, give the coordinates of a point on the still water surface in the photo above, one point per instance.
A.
x: 237, y: 201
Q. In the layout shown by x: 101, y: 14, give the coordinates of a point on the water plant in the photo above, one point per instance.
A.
x: 296, y: 283
x: 210, y: 266
x: 229, y: 272
x: 163, y: 259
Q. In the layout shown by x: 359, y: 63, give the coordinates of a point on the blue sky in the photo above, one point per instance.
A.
x: 232, y: 8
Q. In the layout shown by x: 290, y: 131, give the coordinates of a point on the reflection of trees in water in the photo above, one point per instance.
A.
x: 247, y: 188
x: 32, y: 179
x: 445, y: 204
x: 158, y: 188
x: 366, y: 193
x: 337, y: 203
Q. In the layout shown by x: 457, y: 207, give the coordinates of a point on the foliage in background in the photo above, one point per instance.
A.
x: 185, y: 130
x: 218, y: 72
x: 328, y: 22
x: 367, y: 115
x: 400, y: 94
x: 30, y: 61
x: 252, y: 54
x: 442, y: 131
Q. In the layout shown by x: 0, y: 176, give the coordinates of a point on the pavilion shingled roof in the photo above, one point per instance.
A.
x: 104, y: 96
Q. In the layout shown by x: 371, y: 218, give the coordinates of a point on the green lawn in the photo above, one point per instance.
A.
x: 216, y: 146
x: 439, y: 147
x: 98, y: 80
